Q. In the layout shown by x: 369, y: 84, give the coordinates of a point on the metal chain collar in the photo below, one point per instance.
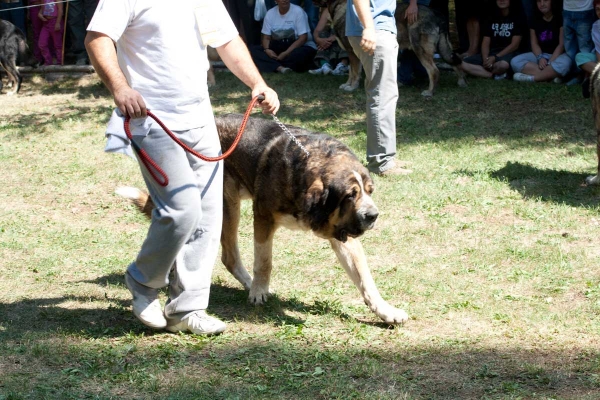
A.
x: 286, y: 130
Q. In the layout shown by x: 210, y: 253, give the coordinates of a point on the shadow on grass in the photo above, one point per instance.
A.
x: 548, y: 185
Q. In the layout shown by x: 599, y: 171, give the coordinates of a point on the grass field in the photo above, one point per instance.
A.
x: 490, y: 245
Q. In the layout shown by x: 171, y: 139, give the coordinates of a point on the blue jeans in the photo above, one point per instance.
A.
x: 577, y: 26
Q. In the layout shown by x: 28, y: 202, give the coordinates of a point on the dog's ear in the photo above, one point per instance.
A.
x: 315, y: 195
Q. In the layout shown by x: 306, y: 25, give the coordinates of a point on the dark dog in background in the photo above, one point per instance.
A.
x: 13, y: 51
x: 595, y: 95
x: 428, y: 34
x: 327, y: 192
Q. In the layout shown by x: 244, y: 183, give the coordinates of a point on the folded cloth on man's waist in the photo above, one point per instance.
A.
x: 116, y: 138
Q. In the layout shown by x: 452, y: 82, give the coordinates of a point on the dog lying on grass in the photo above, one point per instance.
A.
x: 327, y: 192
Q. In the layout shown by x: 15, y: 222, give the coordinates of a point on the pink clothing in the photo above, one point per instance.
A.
x: 50, y: 8
x: 36, y: 28
x: 49, y: 34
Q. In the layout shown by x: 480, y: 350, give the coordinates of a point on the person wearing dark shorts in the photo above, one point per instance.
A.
x: 502, y: 33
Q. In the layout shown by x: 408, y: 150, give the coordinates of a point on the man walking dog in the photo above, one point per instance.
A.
x: 160, y: 64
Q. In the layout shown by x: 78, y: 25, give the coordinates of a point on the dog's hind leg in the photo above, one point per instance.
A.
x: 424, y: 49
x: 230, y: 253
x: 13, y: 76
x: 352, y: 257
x: 449, y: 56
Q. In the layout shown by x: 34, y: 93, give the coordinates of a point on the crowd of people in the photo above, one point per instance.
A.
x: 528, y: 40
x: 56, y: 29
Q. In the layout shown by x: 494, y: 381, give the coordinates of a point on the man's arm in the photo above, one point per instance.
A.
x: 236, y: 57
x: 103, y: 56
x: 368, y: 41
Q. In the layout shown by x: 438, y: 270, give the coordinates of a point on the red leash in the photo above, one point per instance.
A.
x: 153, y: 167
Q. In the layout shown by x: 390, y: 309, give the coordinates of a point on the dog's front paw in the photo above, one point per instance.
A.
x: 593, y: 180
x: 391, y: 315
x: 258, y: 296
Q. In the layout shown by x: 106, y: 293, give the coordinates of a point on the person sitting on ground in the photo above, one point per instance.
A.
x: 588, y: 61
x: 578, y: 18
x: 329, y: 51
x: 287, y: 43
x: 501, y: 38
x: 469, y: 15
x: 547, y: 60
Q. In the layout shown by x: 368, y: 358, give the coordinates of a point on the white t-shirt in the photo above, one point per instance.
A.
x: 161, y: 49
x: 288, y: 26
x: 578, y: 5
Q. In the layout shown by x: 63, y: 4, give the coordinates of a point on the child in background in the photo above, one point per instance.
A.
x: 547, y: 60
x: 587, y: 61
x: 578, y: 17
x: 52, y: 30
x: 329, y: 51
x: 502, y: 32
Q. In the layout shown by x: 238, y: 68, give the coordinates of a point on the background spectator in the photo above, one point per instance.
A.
x: 242, y: 15
x: 502, y: 34
x: 578, y: 17
x: 329, y: 51
x: 79, y: 14
x: 36, y: 27
x: 287, y: 43
x: 51, y: 15
x: 547, y: 60
x: 312, y: 11
x: 588, y: 61
x: 469, y: 15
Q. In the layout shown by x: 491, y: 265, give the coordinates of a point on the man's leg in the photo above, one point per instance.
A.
x: 382, y: 95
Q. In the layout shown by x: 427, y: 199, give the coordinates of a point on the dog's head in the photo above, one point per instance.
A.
x: 338, y: 201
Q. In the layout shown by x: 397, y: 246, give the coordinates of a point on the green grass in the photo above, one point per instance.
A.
x: 490, y: 245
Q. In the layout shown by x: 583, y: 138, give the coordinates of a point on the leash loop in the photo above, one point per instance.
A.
x: 155, y: 170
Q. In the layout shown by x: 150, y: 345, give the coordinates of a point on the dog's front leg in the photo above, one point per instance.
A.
x: 352, y: 257
x: 264, y: 229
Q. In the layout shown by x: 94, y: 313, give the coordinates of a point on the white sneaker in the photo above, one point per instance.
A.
x: 340, y: 69
x: 520, y: 77
x: 317, y: 71
x: 500, y: 77
x: 326, y: 69
x: 558, y: 79
x: 285, y: 70
x: 199, y: 323
x: 146, y: 307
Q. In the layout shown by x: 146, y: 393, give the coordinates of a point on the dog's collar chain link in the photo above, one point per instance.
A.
x: 294, y: 138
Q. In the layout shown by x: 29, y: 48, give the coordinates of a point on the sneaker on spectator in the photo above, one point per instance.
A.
x: 500, y: 77
x: 285, y: 70
x: 327, y: 69
x: 199, y: 323
x: 146, y: 306
x: 574, y: 81
x: 558, y: 79
x: 321, y: 70
x: 340, y: 69
x: 520, y: 77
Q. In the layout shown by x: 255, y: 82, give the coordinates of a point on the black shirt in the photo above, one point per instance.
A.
x: 547, y: 33
x: 501, y: 30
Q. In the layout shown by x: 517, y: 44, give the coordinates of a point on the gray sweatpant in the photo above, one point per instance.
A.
x: 182, y: 243
x: 382, y: 95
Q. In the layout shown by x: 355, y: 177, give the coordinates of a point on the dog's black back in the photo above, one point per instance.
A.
x: 13, y: 51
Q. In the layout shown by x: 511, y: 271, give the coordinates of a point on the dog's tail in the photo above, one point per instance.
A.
x: 446, y: 51
x: 140, y: 198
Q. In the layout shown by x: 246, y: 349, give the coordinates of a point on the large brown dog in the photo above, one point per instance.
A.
x: 327, y: 192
